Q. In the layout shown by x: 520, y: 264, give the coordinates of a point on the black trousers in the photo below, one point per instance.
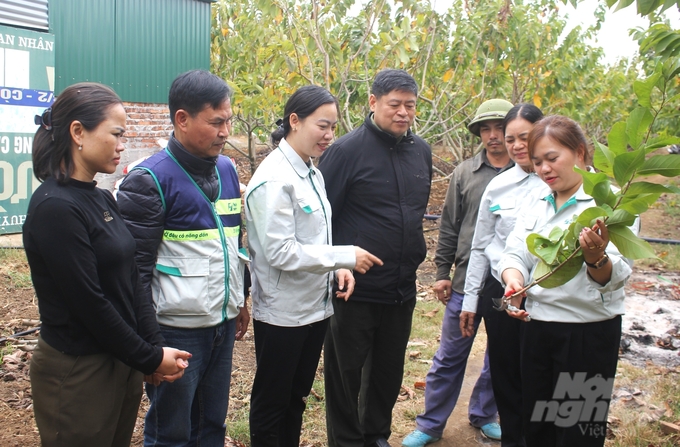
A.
x: 287, y: 358
x: 503, y: 335
x: 363, y: 368
x: 568, y: 374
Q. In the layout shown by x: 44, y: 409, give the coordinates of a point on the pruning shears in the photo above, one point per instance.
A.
x: 503, y: 303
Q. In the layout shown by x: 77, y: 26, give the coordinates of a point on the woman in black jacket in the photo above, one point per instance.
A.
x: 99, y: 334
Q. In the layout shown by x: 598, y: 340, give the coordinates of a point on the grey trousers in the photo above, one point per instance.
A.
x: 89, y: 400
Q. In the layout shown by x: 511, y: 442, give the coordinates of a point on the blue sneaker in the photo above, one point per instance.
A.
x: 491, y: 430
x: 418, y: 439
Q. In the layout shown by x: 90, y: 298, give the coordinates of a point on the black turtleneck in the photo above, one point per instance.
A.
x: 83, y: 268
x: 202, y: 170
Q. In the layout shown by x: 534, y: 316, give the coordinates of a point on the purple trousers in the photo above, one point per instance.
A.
x: 445, y: 378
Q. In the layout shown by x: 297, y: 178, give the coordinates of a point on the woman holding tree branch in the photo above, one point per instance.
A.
x: 570, y: 348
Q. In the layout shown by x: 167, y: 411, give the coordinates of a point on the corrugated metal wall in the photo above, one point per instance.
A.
x: 136, y: 46
x: 84, y: 40
x: 26, y: 13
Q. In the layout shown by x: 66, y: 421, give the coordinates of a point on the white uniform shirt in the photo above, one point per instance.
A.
x: 498, y: 212
x: 581, y: 300
x: 289, y: 237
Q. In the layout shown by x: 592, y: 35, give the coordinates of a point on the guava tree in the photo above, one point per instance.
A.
x: 476, y: 50
x: 624, y: 162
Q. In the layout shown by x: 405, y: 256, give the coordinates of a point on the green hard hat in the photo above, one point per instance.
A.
x: 493, y: 109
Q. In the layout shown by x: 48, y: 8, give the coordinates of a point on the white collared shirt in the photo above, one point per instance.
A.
x: 498, y: 212
x: 581, y: 300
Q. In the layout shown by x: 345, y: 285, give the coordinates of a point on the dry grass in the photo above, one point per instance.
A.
x: 14, y: 266
x: 669, y: 258
x: 635, y: 422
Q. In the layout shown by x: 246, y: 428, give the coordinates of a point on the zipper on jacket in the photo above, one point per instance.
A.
x: 328, y: 238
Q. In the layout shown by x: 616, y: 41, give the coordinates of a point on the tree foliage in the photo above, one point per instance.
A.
x: 473, y: 52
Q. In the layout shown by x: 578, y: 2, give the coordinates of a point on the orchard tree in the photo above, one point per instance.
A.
x: 473, y: 52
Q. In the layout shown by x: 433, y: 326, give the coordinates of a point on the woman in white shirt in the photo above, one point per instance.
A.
x: 570, y: 347
x: 498, y: 212
x: 293, y: 266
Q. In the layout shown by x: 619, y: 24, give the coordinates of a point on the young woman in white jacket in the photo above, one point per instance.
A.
x: 293, y: 266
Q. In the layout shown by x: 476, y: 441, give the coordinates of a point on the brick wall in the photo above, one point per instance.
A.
x: 146, y: 123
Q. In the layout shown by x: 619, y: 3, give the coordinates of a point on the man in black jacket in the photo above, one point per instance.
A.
x: 378, y: 183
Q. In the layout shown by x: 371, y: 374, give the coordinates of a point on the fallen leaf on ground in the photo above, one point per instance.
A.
x: 643, y: 286
x: 431, y: 313
x: 228, y: 442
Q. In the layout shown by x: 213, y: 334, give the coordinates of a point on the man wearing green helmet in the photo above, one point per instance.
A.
x: 445, y: 378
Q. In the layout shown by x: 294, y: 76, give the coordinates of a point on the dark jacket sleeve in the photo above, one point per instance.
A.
x: 337, y: 172
x: 449, y: 229
x: 141, y: 206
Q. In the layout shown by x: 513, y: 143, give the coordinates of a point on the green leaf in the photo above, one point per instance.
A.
x: 617, y: 138
x: 603, y: 159
x: 657, y: 142
x: 403, y: 55
x: 638, y: 204
x: 562, y: 276
x: 603, y: 195
x: 541, y: 269
x: 665, y: 165
x: 667, y: 4
x: 556, y: 234
x: 643, y: 89
x: 629, y: 245
x: 622, y: 4
x: 543, y: 248
x: 590, y: 179
x: 625, y: 166
x: 588, y: 216
x: 671, y: 68
x: 668, y: 42
x: 637, y: 125
x: 649, y: 188
x: 571, y: 235
x: 647, y: 6
x: 621, y: 217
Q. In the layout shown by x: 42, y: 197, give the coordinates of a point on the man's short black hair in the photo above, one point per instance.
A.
x: 194, y: 90
x: 391, y: 79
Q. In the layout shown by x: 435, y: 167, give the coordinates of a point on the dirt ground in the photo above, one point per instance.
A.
x: 651, y: 325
